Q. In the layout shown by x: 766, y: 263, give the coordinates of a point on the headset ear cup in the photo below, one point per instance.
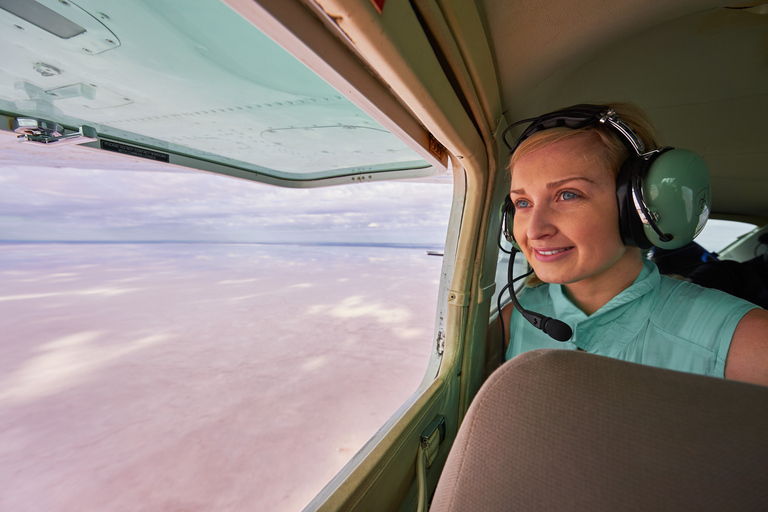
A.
x: 630, y: 224
x: 673, y: 186
x: 677, y: 190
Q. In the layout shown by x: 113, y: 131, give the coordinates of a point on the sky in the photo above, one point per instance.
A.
x: 73, y: 194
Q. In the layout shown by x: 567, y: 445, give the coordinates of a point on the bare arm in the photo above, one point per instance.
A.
x: 506, y: 314
x: 748, y: 356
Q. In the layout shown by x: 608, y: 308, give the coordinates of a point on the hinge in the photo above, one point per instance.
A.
x: 436, y: 148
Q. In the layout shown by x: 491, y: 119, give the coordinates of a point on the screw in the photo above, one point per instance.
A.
x: 102, y: 15
x: 86, y: 50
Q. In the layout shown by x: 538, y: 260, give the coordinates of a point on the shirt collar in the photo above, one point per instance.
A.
x: 565, y: 310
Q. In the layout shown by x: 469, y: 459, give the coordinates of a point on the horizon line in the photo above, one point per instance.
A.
x: 341, y: 244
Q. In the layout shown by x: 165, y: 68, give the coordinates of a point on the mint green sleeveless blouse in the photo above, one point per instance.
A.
x: 658, y: 321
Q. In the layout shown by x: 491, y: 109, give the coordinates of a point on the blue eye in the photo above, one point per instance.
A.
x: 567, y: 196
x: 522, y: 203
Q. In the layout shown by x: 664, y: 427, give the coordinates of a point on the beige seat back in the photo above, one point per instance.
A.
x: 562, y: 430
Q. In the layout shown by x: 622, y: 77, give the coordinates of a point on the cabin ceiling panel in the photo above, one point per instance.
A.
x: 534, y: 39
x: 728, y: 191
x: 707, y: 57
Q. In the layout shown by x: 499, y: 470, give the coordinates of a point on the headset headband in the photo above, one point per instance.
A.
x: 576, y: 117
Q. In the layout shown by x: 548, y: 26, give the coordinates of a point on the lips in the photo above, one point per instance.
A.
x: 548, y: 255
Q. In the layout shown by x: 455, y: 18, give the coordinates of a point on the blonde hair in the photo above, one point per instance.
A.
x: 615, y: 149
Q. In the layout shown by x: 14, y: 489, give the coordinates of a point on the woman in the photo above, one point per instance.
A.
x: 566, y: 222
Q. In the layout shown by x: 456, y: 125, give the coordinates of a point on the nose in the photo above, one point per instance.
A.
x: 540, y: 223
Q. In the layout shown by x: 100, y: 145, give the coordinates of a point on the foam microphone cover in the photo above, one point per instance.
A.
x: 556, y: 329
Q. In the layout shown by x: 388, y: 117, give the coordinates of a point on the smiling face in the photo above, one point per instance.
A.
x: 566, y: 217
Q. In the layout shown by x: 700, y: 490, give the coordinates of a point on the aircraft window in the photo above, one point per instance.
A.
x: 719, y: 234
x: 502, y: 266
x: 188, y: 78
x: 180, y: 340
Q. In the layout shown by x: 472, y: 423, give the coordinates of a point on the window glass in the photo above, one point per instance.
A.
x: 520, y: 267
x: 719, y: 234
x: 177, y: 340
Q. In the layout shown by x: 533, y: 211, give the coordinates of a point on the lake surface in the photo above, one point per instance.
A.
x: 186, y: 377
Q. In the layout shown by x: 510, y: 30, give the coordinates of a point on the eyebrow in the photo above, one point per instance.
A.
x: 555, y: 184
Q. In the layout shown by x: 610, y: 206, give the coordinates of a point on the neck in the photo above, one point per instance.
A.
x: 594, y: 292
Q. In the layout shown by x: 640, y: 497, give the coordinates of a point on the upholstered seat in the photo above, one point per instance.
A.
x: 563, y: 430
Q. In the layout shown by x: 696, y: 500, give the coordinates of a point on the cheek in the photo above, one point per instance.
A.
x: 605, y: 227
x: 520, y: 228
x: 597, y: 224
x: 610, y: 216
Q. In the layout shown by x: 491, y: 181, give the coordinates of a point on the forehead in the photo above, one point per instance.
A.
x: 580, y: 156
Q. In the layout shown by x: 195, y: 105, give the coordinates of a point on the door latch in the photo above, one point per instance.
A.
x: 431, y: 439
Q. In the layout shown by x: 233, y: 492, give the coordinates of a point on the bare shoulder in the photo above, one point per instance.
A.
x: 748, y: 356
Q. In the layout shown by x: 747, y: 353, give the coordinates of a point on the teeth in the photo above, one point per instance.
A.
x: 550, y: 253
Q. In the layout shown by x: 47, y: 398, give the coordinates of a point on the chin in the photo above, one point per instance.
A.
x: 552, y: 277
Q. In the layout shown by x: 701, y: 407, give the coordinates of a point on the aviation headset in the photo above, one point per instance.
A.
x: 663, y: 194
